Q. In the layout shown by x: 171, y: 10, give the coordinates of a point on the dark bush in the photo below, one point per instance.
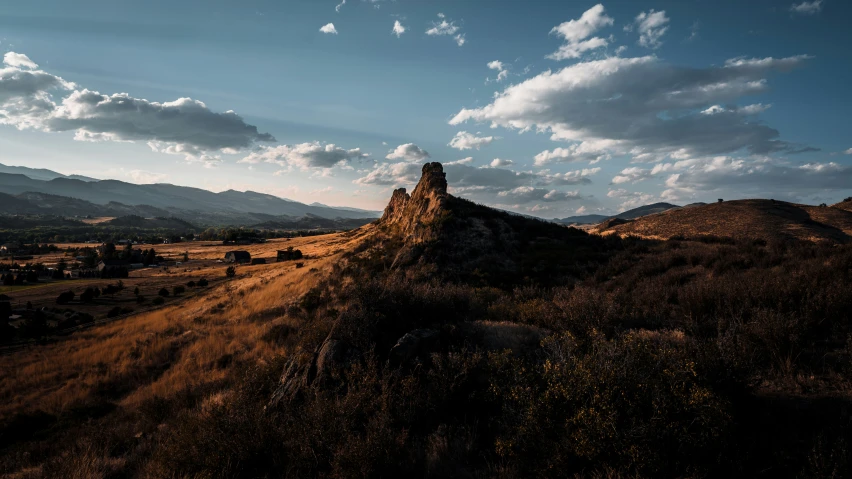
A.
x: 202, y: 282
x: 163, y: 292
x: 65, y: 298
x: 158, y: 301
x: 178, y: 290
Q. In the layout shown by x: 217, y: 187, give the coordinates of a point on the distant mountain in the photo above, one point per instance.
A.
x: 40, y: 173
x: 134, y: 221
x: 625, y: 215
x: 758, y: 219
x: 182, y: 201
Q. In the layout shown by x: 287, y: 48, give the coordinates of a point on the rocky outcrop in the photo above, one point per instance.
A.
x: 411, y: 215
x: 412, y: 345
x: 315, y: 372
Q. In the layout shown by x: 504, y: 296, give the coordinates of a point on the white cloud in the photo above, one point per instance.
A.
x: 630, y: 200
x: 848, y: 152
x: 442, y: 28
x: 463, y: 161
x: 19, y: 60
x: 576, y: 34
x: 807, y: 8
x: 498, y: 163
x: 339, y: 6
x: 408, y: 152
x: 651, y: 26
x: 590, y: 151
x: 304, y: 155
x: 446, y: 27
x: 527, y: 194
x: 640, y: 104
x: 468, y: 141
x: 328, y: 28
x: 502, y: 71
x: 392, y: 174
x: 398, y: 29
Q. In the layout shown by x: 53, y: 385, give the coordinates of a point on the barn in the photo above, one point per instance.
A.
x: 239, y: 257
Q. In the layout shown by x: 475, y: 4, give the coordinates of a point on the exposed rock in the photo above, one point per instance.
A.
x: 315, y: 372
x: 413, y: 344
x: 411, y: 215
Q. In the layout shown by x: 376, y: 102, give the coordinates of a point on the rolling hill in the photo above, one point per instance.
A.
x: 761, y: 219
x: 625, y: 215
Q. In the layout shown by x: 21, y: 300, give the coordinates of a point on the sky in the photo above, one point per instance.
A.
x: 547, y: 108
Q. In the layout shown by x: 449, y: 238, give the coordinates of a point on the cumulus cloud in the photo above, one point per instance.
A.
x: 592, y: 152
x: 651, y: 26
x: 460, y: 40
x: 629, y: 200
x: 392, y: 174
x: 576, y: 34
x: 408, y: 152
x: 498, y: 162
x: 468, y: 141
x: 328, y: 28
x: 640, y: 105
x: 807, y: 8
x: 339, y: 6
x: 398, y: 29
x: 120, y: 117
x: 19, y: 60
x: 848, y: 152
x: 305, y: 155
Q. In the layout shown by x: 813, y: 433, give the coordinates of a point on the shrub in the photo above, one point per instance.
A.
x: 231, y: 272
x: 178, y: 290
x: 65, y: 298
x: 163, y: 292
x: 116, y: 311
x: 202, y: 282
x: 190, y: 284
x: 140, y: 299
x: 158, y: 301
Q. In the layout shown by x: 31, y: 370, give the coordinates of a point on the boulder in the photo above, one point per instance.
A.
x: 413, y: 344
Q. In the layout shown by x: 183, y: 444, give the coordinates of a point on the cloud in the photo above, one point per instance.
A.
x: 408, y: 152
x: 463, y: 161
x: 576, y: 34
x: 502, y: 71
x: 182, y: 127
x: 651, y: 26
x: 497, y: 163
x: 640, y: 105
x: 184, y: 122
x: 328, y: 28
x: 398, y: 29
x: 339, y: 6
x: 529, y: 194
x: 807, y: 8
x: 304, y: 155
x: 446, y: 27
x: 468, y: 141
x: 592, y: 152
x: 630, y: 200
x: 392, y: 174
x: 19, y: 60
x: 848, y: 152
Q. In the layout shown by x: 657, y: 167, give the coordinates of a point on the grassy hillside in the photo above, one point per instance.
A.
x: 755, y: 219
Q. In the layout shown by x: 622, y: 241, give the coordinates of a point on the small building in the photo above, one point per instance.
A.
x: 289, y: 254
x: 113, y: 268
x: 239, y: 257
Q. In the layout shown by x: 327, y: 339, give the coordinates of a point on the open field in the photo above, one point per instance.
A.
x: 188, y: 344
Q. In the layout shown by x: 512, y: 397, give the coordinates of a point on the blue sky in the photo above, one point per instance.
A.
x: 553, y: 108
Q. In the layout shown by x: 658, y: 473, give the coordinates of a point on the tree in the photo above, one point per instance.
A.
x: 65, y: 298
x: 231, y: 272
x: 178, y: 290
x: 185, y: 256
x: 163, y: 292
x: 109, y: 251
x: 136, y: 291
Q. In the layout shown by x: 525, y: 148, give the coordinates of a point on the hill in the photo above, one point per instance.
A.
x: 134, y: 221
x: 178, y: 200
x: 40, y: 173
x: 625, y: 215
x: 754, y: 219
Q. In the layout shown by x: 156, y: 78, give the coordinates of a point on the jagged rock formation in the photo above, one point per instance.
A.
x: 411, y: 216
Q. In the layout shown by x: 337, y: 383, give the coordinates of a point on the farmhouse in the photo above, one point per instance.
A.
x: 113, y: 268
x: 237, y: 257
x: 289, y: 254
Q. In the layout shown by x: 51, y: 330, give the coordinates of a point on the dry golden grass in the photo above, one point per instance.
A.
x: 188, y: 344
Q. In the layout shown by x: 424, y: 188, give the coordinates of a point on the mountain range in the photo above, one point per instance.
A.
x: 38, y: 191
x: 624, y: 215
